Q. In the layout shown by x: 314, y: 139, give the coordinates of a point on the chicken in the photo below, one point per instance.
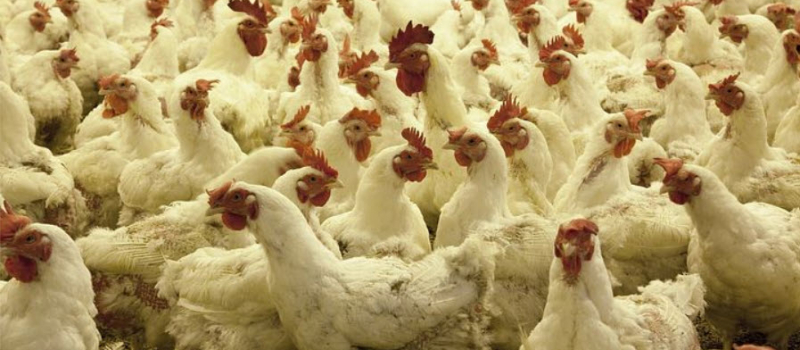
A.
x: 158, y: 63
x: 383, y: 221
x: 272, y: 68
x: 600, y: 189
x: 348, y: 143
x: 758, y: 37
x: 468, y: 66
x: 361, y: 302
x: 55, y: 100
x: 741, y: 156
x: 780, y: 14
x: 205, y: 316
x: 582, y: 313
x: 137, y: 17
x: 422, y: 69
x: 702, y: 49
x: 143, y: 132
x: 455, y: 28
x: 366, y: 17
x: 395, y: 15
x: 482, y: 197
x: 377, y: 85
x: 205, y: 151
x: 319, y: 82
x: 683, y: 130
x: 240, y: 104
x: 31, y: 178
x: 786, y: 136
x: 49, y: 302
x: 730, y: 237
x: 35, y: 30
x: 530, y: 163
x: 780, y: 85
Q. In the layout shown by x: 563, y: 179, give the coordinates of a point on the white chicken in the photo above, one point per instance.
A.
x: 54, y: 98
x: 741, y: 156
x: 757, y: 36
x: 731, y: 239
x: 49, y: 303
x: 582, y: 313
x: 780, y: 85
x: 383, y: 221
x: 35, y: 30
x: 351, y: 307
x: 787, y: 135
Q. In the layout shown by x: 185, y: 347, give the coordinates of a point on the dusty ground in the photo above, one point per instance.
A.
x: 709, y: 339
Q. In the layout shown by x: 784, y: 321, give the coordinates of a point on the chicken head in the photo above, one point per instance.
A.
x: 155, y: 7
x: 469, y: 147
x: 358, y: 73
x: 622, y: 131
x: 413, y: 162
x: 727, y: 96
x: 64, y: 63
x: 359, y: 125
x: 671, y: 19
x: 41, y: 17
x: 408, y: 51
x: 733, y: 29
x: 297, y: 130
x: 639, y: 9
x: 163, y: 22
x: 791, y: 42
x: 291, y: 29
x: 661, y: 70
x: 314, y: 44
x: 505, y: 125
x: 526, y: 16
x: 252, y: 30
x: 582, y: 8
x: 68, y: 7
x: 485, y: 56
x: 236, y: 206
x: 348, y: 7
x: 194, y: 99
x: 316, y: 186
x: 573, y: 42
x: 318, y: 6
x: 479, y: 5
x: 575, y: 244
x: 118, y: 91
x: 22, y: 247
x: 781, y: 15
x: 556, y: 64
x: 680, y: 183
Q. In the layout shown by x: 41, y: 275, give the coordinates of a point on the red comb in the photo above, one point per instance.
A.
x: 365, y: 60
x: 552, y: 46
x: 573, y: 2
x: 671, y: 166
x: 217, y: 194
x: 574, y: 35
x: 491, y: 47
x: 727, y: 23
x: 301, y: 115
x: 269, y: 11
x: 205, y: 85
x: 453, y: 135
x: 316, y: 159
x: 418, y: 34
x: 634, y: 117
x: 10, y: 223
x: 456, y: 5
x: 416, y: 140
x: 105, y: 82
x: 70, y: 54
x: 296, y: 15
x: 41, y: 7
x: 522, y: 5
x: 675, y: 8
x: 309, y: 25
x: 163, y: 22
x: 371, y: 117
x: 724, y: 82
x: 650, y: 64
x: 578, y: 225
x: 255, y: 10
x: 509, y: 110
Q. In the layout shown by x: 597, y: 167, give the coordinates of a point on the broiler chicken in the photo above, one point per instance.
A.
x: 48, y: 304
x: 361, y: 302
x: 55, y: 100
x: 582, y: 313
x: 468, y: 67
x: 35, y: 30
x: 383, y: 221
x: 741, y: 156
x: 738, y: 250
x: 757, y: 36
x: 780, y: 85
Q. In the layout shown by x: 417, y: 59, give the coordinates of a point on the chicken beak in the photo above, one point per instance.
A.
x: 350, y: 80
x: 391, y: 65
x: 431, y: 165
x: 665, y: 189
x: 374, y: 133
x: 335, y: 184
x: 450, y: 146
x: 284, y: 133
x: 214, y: 210
x: 650, y: 73
x: 635, y: 135
x: 103, y: 92
x: 712, y: 96
x: 494, y: 61
x: 266, y: 30
x: 540, y: 64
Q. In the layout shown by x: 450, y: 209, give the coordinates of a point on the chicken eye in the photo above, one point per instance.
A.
x: 619, y: 125
x: 237, y: 197
x: 312, y: 179
x: 408, y: 156
x: 302, y: 128
x: 357, y: 128
x: 30, y: 238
